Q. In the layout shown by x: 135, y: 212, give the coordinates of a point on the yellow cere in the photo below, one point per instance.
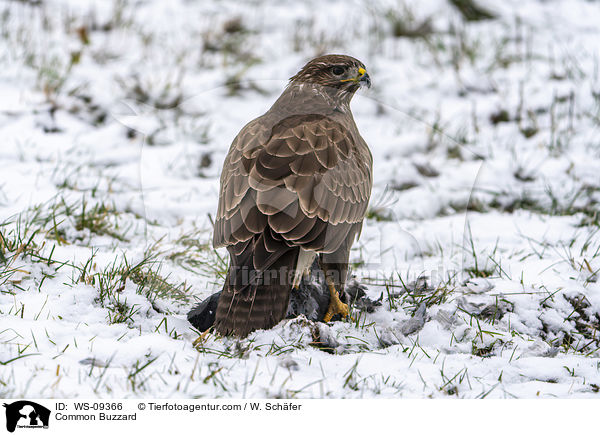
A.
x: 361, y: 72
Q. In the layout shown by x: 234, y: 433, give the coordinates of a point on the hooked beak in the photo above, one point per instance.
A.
x: 362, y: 78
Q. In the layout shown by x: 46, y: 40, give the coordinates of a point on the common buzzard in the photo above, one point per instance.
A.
x: 295, y: 185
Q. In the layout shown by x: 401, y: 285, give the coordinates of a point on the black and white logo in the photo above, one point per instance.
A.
x: 26, y: 414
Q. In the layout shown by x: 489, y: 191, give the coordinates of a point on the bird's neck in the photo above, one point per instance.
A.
x: 314, y: 99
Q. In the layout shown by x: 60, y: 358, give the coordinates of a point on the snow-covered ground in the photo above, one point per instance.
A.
x: 482, y: 237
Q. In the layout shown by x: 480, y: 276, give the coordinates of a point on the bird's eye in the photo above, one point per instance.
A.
x: 337, y: 70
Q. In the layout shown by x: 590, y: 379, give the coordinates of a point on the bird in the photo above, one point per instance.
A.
x: 295, y: 187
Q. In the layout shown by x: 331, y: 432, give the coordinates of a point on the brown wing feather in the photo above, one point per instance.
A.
x: 305, y: 182
x: 309, y: 163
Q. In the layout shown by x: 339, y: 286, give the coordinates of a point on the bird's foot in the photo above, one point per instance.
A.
x: 336, y: 306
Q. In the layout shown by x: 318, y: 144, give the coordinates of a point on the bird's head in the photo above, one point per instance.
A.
x: 338, y: 73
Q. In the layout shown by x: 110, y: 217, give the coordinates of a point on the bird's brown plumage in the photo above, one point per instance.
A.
x: 297, y: 178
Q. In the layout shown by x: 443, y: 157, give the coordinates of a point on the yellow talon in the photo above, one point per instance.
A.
x: 336, y: 306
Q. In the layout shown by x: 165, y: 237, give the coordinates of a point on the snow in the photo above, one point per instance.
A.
x: 486, y: 155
